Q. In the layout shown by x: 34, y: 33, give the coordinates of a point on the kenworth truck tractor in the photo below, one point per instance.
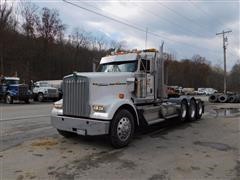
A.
x: 11, y: 90
x: 127, y: 92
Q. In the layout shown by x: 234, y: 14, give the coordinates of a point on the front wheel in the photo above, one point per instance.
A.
x: 40, y: 97
x: 9, y: 99
x: 122, y: 129
x: 27, y: 101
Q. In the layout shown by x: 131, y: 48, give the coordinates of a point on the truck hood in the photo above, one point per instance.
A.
x: 97, y: 75
x: 16, y: 86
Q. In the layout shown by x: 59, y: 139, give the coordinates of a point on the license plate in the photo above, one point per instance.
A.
x: 81, y: 132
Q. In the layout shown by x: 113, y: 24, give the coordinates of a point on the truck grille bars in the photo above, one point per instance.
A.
x: 52, y: 91
x: 23, y: 90
x: 76, y: 96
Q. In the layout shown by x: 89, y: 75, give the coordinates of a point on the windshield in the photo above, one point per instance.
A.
x: 126, y: 66
x: 8, y: 82
x: 44, y: 85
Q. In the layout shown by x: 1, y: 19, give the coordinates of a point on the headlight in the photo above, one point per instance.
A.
x: 98, y: 108
x: 58, y: 105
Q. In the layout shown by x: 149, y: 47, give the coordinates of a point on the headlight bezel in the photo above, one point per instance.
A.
x: 98, y: 108
x: 58, y: 105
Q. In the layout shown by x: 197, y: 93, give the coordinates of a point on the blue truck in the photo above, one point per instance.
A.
x: 11, y: 89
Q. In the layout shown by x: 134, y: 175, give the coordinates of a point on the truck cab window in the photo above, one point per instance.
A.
x: 145, y: 65
x: 126, y: 66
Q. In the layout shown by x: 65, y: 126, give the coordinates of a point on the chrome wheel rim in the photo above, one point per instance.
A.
x: 200, y: 109
x: 124, y: 129
x: 192, y: 111
x: 8, y: 99
x: 184, y: 111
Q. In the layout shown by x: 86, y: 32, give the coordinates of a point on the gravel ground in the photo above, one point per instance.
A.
x: 205, y: 149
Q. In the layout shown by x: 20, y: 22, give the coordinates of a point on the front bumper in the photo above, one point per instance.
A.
x: 49, y: 96
x: 81, y: 126
x: 21, y: 98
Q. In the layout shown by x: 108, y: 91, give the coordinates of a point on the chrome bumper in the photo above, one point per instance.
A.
x: 50, y: 95
x: 80, y: 126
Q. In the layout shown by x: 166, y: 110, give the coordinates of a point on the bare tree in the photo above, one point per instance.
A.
x: 50, y: 25
x: 7, y: 23
x: 29, y: 13
x: 81, y: 38
x: 7, y: 20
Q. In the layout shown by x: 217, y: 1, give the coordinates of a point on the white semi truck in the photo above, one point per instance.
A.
x: 127, y: 92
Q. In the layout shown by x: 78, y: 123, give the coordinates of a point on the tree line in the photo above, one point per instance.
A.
x: 34, y: 44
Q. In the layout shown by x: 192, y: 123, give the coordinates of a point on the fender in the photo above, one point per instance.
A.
x: 112, y: 108
x: 178, y: 100
x: 12, y: 93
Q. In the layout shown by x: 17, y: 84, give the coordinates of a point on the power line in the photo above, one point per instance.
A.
x: 185, y: 17
x: 205, y: 12
x: 136, y: 27
x: 183, y: 29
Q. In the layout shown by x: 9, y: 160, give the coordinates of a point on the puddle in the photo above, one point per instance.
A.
x: 227, y: 112
x: 214, y: 145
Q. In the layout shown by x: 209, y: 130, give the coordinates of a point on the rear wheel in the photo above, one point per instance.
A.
x: 199, y: 111
x: 122, y: 129
x: 66, y: 134
x: 183, y: 111
x: 191, y: 115
x: 8, y: 99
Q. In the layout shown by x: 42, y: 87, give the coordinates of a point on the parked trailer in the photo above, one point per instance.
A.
x: 128, y: 92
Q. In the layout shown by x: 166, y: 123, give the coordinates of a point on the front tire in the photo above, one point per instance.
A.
x: 122, y: 128
x: 8, y: 99
x: 40, y: 97
x: 27, y: 101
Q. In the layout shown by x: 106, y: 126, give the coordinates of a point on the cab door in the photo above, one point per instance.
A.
x: 146, y: 66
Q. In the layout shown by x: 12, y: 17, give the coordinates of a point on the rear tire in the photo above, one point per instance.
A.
x: 183, y: 111
x: 121, y: 129
x: 66, y: 134
x: 191, y: 111
x: 200, y: 110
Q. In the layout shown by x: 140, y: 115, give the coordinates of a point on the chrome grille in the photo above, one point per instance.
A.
x: 52, y: 91
x: 76, y: 96
x: 23, y: 90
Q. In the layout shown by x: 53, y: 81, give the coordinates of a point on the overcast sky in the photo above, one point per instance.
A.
x: 186, y: 27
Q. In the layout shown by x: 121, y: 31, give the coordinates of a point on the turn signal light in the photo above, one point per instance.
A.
x: 121, y: 95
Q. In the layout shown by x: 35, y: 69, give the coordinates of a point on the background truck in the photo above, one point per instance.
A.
x: 11, y: 90
x: 42, y: 90
x: 126, y: 93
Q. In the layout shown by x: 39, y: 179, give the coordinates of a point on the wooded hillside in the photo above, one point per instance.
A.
x: 38, y: 48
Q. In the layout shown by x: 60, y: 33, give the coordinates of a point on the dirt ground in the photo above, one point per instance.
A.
x: 204, y: 149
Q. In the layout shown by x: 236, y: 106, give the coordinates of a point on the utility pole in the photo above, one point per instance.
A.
x: 224, y: 58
